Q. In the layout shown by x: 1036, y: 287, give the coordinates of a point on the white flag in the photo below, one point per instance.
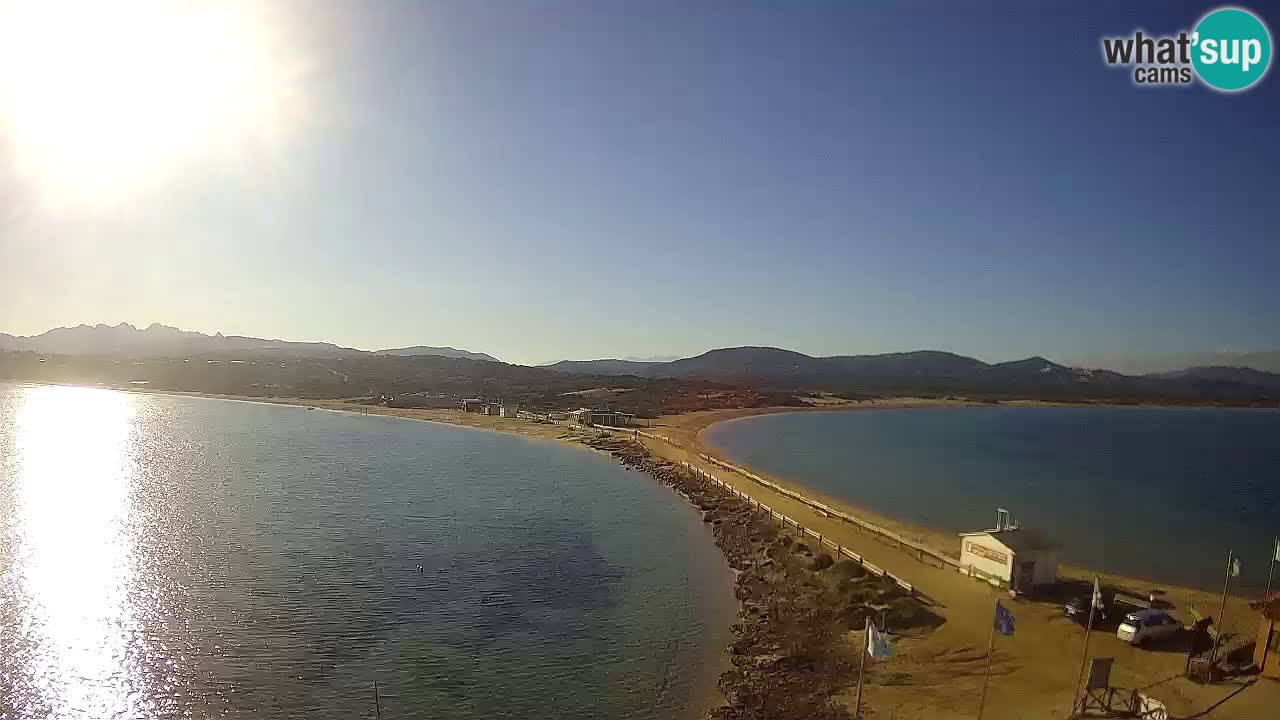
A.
x: 878, y: 646
x: 1277, y: 553
x: 1097, y: 594
x: 1235, y: 567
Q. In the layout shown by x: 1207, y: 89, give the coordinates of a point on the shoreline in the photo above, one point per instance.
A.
x: 940, y: 539
x: 800, y: 610
x: 937, y: 674
x: 1055, y: 642
x: 705, y: 695
x: 689, y: 430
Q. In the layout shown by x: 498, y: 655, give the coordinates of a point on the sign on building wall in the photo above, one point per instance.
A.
x: 983, y: 551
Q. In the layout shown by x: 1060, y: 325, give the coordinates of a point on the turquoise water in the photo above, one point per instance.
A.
x: 172, y: 557
x: 1141, y: 492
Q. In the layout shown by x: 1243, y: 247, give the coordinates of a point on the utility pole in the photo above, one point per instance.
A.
x: 1271, y: 566
x: 986, y: 676
x: 862, y: 664
x: 1222, y: 609
x: 1084, y: 657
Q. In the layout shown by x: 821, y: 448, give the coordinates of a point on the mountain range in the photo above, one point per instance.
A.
x: 158, y: 340
x: 755, y: 369
x: 938, y: 372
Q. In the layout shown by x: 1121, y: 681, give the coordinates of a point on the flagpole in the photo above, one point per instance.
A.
x: 1222, y: 609
x: 1271, y: 566
x: 987, y: 675
x: 1084, y: 656
x: 862, y: 663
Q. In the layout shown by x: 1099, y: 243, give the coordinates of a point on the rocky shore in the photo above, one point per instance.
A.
x: 799, y: 629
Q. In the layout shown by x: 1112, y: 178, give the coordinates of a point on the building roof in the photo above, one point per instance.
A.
x: 1019, y: 539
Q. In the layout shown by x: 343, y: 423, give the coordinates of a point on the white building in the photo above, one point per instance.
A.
x: 1010, y: 556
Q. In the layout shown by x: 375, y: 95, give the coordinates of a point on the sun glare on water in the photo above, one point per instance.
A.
x: 95, y: 96
x: 75, y: 464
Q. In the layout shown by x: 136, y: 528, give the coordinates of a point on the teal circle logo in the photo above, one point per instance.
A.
x: 1231, y: 49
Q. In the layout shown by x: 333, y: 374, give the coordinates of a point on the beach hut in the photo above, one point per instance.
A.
x: 508, y: 410
x: 1010, y: 556
x: 1266, y: 652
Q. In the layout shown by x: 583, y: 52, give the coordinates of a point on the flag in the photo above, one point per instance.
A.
x: 1097, y: 594
x: 878, y: 646
x: 1276, y: 557
x: 1003, y: 620
x: 1235, y: 567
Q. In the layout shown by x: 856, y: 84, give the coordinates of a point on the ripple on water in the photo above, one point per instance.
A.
x: 162, y: 556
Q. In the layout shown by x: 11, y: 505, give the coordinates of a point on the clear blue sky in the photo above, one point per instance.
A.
x: 542, y: 180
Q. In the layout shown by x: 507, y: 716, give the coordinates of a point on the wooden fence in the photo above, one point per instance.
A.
x: 785, y: 521
x: 922, y: 552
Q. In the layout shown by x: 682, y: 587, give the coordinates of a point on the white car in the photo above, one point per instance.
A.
x: 1145, y: 626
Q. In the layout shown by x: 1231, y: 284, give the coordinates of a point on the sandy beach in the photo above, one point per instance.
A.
x: 1037, y: 668
x: 938, y: 674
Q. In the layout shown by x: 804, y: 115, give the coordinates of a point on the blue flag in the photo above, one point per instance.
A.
x: 1003, y: 620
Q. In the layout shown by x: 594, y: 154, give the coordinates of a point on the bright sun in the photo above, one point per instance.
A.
x: 96, y: 95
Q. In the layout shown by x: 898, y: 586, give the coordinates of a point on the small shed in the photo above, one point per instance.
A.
x: 1266, y: 651
x: 1013, y: 557
x: 474, y: 405
x: 509, y: 410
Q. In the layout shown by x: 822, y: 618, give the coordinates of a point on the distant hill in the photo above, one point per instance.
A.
x: 933, y: 372
x: 158, y: 340
x: 725, y: 377
x: 1217, y: 375
x: 1146, y: 363
x: 601, y: 367
x: 440, y: 351
x: 381, y: 378
x: 652, y: 358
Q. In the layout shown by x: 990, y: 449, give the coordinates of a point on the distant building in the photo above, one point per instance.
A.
x: 1013, y: 557
x: 508, y: 410
x: 420, y: 400
x: 474, y: 405
x: 597, y: 416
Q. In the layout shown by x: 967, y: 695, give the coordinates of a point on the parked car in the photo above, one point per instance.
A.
x: 1146, y: 626
x: 1077, y: 608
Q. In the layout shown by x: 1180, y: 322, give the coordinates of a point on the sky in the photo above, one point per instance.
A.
x: 572, y: 179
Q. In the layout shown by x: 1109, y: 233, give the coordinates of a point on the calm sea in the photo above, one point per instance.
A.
x: 166, y: 557
x: 1147, y: 493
